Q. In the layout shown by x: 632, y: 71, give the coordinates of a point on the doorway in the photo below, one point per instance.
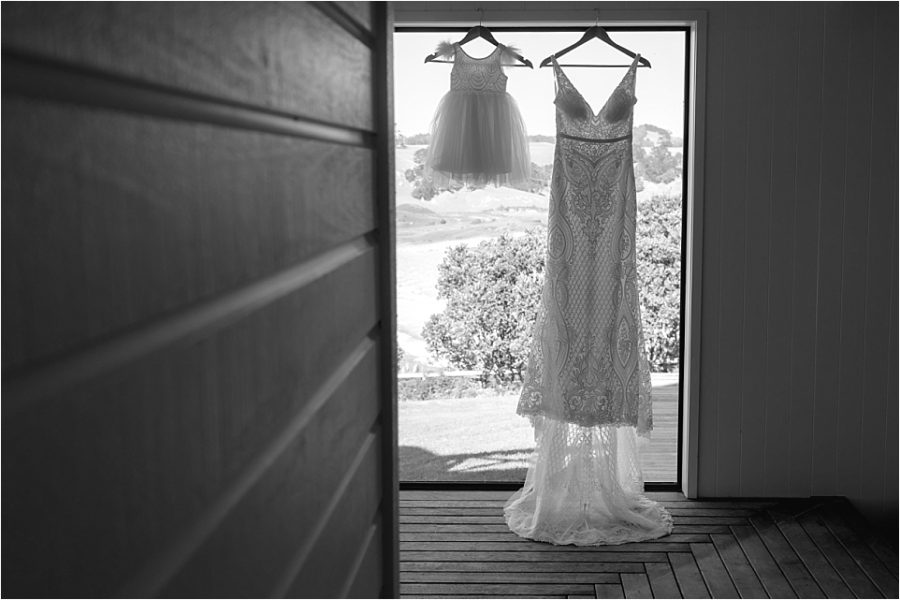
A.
x: 457, y: 421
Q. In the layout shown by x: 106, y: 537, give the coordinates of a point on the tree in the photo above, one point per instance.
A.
x: 658, y: 250
x: 424, y: 187
x: 492, y: 291
x: 418, y: 139
x: 659, y: 165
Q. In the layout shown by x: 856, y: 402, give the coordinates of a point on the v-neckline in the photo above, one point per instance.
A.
x: 595, y: 116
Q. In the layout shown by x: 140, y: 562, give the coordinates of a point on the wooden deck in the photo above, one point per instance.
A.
x: 456, y: 544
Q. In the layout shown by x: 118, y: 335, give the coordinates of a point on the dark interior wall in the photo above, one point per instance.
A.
x: 799, y: 330
x: 195, y: 289
x: 798, y: 322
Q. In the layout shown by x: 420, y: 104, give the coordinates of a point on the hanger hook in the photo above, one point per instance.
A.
x: 596, y: 17
x: 480, y: 16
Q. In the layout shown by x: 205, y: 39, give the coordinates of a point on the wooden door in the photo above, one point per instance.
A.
x: 197, y: 300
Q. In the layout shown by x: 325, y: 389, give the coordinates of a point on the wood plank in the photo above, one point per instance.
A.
x: 784, y: 119
x: 700, y: 529
x: 261, y: 55
x: 510, y: 537
x: 715, y: 186
x: 770, y: 574
x: 488, y: 495
x: 203, y: 410
x: 498, y: 519
x: 498, y: 589
x: 854, y: 540
x: 671, y: 504
x: 831, y: 243
x: 856, y: 202
x: 454, y: 528
x: 608, y: 590
x: 879, y: 406
x: 519, y: 567
x: 688, y: 576
x: 714, y: 573
x: 360, y: 11
x: 533, y: 546
x: 682, y: 520
x: 486, y: 596
x: 730, y: 349
x: 742, y: 574
x: 505, y: 577
x: 532, y: 557
x: 451, y: 510
x: 692, y: 511
x: 369, y: 574
x: 636, y: 585
x: 826, y: 577
x: 793, y: 568
x: 662, y: 580
x: 688, y: 511
x: 810, y: 129
x: 837, y: 555
x: 158, y: 215
x: 436, y: 519
x: 455, y: 495
x: 272, y: 526
x: 761, y: 98
x: 321, y: 569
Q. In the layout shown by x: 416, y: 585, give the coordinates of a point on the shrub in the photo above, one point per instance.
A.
x: 492, y: 292
x: 431, y: 388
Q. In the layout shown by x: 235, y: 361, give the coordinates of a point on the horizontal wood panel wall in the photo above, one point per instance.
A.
x: 798, y: 364
x: 196, y: 301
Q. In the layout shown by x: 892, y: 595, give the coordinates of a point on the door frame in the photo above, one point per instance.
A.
x: 636, y: 15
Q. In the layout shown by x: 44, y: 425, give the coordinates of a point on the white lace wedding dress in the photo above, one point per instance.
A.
x: 587, y: 387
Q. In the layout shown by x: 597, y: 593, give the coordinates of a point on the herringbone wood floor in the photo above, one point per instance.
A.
x: 456, y: 544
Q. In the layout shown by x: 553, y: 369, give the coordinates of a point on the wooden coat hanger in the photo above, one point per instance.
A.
x: 595, y: 32
x: 480, y: 31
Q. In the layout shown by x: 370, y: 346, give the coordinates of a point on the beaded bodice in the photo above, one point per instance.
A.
x: 471, y: 74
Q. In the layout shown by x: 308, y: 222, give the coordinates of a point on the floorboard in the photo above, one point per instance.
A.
x: 455, y: 544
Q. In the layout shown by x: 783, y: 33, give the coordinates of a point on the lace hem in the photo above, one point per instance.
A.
x: 581, y: 530
x: 584, y: 487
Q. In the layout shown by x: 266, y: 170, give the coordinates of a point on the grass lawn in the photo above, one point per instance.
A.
x: 483, y: 439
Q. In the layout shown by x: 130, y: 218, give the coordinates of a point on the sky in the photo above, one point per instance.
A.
x: 418, y: 87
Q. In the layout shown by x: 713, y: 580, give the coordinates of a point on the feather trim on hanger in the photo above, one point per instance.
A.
x: 508, y: 54
x: 445, y: 48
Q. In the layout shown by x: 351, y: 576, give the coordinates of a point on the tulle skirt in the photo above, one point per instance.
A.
x: 584, y: 487
x: 478, y: 137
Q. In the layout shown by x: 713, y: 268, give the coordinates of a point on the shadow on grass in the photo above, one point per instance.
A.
x: 419, y: 464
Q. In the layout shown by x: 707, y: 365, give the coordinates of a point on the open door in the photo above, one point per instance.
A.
x: 198, y: 369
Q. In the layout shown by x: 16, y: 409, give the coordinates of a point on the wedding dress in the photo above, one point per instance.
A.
x: 587, y: 385
x: 478, y: 135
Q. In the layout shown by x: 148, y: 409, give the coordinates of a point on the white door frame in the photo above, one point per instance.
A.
x: 635, y: 14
